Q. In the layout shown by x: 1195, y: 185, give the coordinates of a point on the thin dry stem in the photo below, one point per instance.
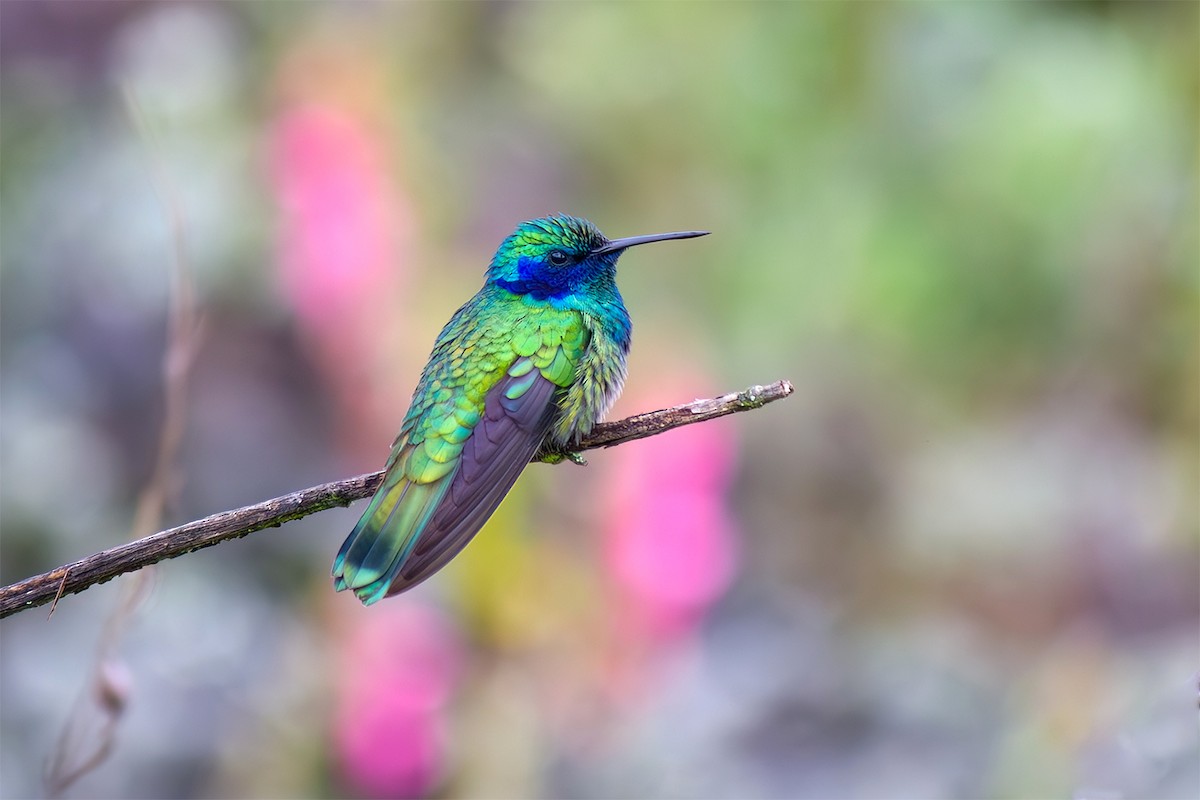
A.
x: 89, y: 734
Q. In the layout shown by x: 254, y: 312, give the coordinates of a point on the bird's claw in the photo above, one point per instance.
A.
x: 558, y: 458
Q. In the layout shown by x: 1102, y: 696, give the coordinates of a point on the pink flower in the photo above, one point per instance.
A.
x: 669, y: 540
x: 397, y: 670
x: 336, y: 248
x: 342, y: 230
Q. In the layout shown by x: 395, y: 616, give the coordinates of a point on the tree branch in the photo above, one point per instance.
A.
x: 107, y: 564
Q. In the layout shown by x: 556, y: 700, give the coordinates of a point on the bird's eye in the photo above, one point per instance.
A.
x: 558, y: 258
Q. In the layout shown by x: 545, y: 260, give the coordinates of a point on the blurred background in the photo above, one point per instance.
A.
x: 961, y: 561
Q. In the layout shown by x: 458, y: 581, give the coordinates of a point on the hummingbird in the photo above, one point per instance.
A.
x: 534, y: 359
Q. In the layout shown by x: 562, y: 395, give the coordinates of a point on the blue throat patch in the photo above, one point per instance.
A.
x: 540, y: 284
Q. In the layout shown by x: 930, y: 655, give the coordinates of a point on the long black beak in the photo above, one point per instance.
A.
x: 631, y: 241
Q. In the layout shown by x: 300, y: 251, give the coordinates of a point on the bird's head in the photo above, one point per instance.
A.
x: 560, y: 255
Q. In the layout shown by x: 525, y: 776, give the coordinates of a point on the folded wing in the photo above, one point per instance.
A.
x: 437, y: 495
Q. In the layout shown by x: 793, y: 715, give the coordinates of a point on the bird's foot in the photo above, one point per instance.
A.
x: 559, y: 457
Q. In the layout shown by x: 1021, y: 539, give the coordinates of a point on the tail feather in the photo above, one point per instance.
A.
x: 357, y: 546
x: 380, y: 543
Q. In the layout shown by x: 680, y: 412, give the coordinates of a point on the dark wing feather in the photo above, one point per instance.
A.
x: 508, y: 434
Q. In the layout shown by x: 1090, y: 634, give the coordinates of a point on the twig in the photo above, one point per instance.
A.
x: 89, y: 734
x: 108, y: 564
